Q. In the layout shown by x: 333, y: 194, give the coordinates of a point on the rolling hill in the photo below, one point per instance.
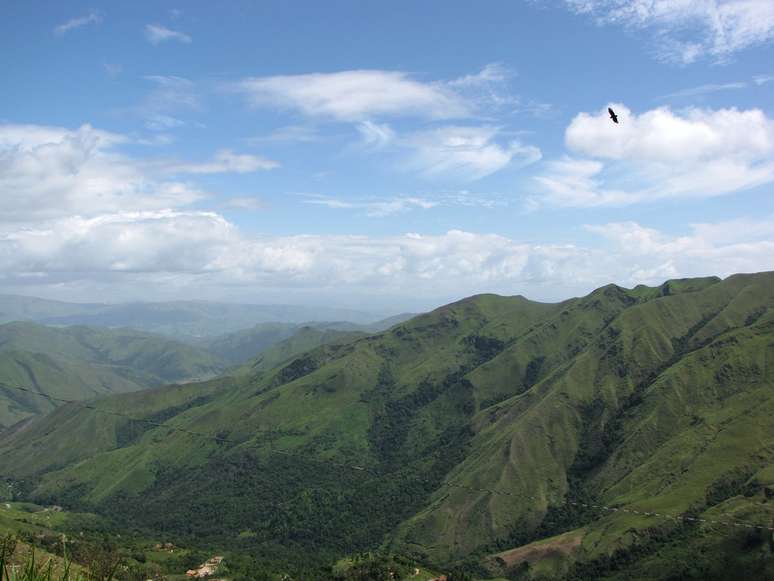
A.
x: 241, y: 346
x: 517, y: 438
x: 82, y: 363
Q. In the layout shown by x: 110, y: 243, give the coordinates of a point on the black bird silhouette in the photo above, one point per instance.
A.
x: 613, y: 116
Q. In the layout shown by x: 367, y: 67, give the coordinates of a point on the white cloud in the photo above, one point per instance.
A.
x: 73, y: 23
x: 224, y: 161
x: 146, y: 241
x: 204, y: 248
x: 763, y: 79
x: 660, y: 154
x: 354, y: 95
x: 48, y: 172
x: 689, y: 29
x: 245, y: 203
x: 155, y: 34
x: 380, y: 207
x: 170, y: 98
x: 706, y: 89
x: 491, y: 73
x: 153, y: 251
x: 374, y: 207
x: 464, y: 152
x: 290, y: 134
x: 375, y: 135
x: 648, y: 256
x: 487, y: 88
x: 172, y: 93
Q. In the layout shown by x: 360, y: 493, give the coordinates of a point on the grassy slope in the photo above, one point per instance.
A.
x: 302, y: 340
x: 657, y: 399
x: 52, y: 377
x: 82, y: 362
x: 242, y: 346
x: 238, y: 347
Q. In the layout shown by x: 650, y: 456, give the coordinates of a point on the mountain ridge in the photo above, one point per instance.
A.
x: 605, y: 399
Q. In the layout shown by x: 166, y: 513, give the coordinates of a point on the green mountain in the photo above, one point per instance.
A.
x: 82, y: 362
x: 241, y: 346
x: 305, y: 338
x: 516, y: 438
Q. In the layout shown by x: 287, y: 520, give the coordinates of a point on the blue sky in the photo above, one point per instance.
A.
x: 383, y: 155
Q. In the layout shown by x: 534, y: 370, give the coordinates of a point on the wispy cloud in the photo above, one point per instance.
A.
x: 289, y: 134
x: 169, y: 99
x: 709, y: 88
x: 224, y: 161
x: 381, y: 207
x: 687, y: 30
x: 156, y: 34
x: 464, y: 152
x: 247, y: 203
x: 357, y: 96
x: 73, y: 23
x: 706, y: 89
x: 375, y: 134
x: 375, y: 207
x: 354, y: 95
x: 113, y: 69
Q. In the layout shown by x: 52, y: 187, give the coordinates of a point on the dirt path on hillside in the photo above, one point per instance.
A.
x: 561, y: 546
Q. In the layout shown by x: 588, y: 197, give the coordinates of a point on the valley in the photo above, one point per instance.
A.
x: 603, y: 437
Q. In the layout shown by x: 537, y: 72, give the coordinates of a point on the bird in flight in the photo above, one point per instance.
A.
x: 613, y: 116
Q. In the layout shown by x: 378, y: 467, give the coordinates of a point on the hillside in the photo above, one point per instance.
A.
x: 241, y: 346
x: 82, y: 362
x: 305, y: 338
x: 473, y: 434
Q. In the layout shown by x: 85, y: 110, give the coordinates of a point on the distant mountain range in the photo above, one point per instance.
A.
x: 180, y: 319
x: 79, y: 362
x: 596, y: 438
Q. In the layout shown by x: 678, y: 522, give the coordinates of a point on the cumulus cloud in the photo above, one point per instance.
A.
x: 464, y: 152
x: 73, y: 23
x: 156, y: 34
x: 660, y: 154
x: 722, y: 249
x: 204, y: 246
x: 161, y: 249
x: 51, y: 171
x: 687, y: 30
